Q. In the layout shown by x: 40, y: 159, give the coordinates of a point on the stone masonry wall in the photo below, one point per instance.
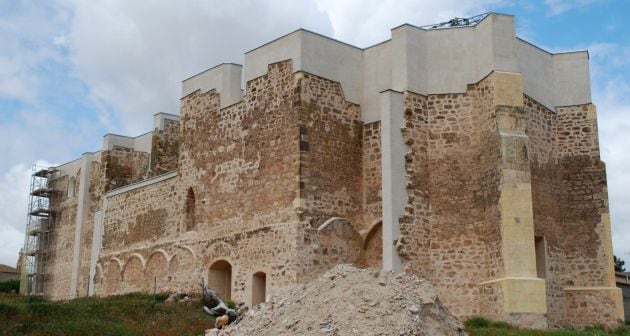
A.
x: 165, y: 148
x: 570, y: 202
x: 140, y: 216
x: 449, y: 233
x: 61, y: 238
x: 372, y: 226
x: 243, y: 177
x: 372, y: 198
x: 585, y: 216
x: 330, y: 152
x: 95, y: 194
x: 124, y: 166
x: 242, y: 161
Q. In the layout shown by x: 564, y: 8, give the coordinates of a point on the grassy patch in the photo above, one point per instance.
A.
x: 132, y: 314
x: 479, y: 326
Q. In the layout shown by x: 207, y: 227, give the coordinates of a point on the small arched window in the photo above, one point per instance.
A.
x: 71, y: 186
x: 190, y: 210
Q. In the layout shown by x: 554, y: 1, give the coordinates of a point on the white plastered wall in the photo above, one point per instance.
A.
x: 159, y: 119
x: 315, y: 54
x: 224, y: 78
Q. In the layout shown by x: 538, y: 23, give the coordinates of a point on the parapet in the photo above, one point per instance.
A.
x: 435, y: 59
x: 315, y: 54
x: 225, y: 78
x: 554, y: 79
x: 141, y: 143
x: 159, y: 119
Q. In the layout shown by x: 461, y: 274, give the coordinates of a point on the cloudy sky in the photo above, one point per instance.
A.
x: 72, y: 71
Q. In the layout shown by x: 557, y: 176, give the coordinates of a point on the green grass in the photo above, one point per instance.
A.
x: 478, y: 326
x: 131, y: 314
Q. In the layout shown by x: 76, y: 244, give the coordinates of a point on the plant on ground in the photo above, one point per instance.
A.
x: 479, y: 326
x: 131, y: 314
x: 230, y: 304
x: 619, y: 264
x: 10, y: 286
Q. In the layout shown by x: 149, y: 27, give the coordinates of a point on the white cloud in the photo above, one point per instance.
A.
x: 366, y: 22
x: 134, y: 55
x: 610, y: 63
x: 129, y: 56
x: 560, y: 6
x: 23, y: 37
x: 13, y: 202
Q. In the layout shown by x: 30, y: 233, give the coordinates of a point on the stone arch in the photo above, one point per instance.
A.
x: 338, y: 242
x: 259, y: 288
x: 189, y: 210
x: 133, y: 274
x: 372, y: 248
x: 182, y: 268
x: 113, y: 277
x: 220, y: 278
x: 119, y: 263
x: 157, y: 268
x: 138, y: 256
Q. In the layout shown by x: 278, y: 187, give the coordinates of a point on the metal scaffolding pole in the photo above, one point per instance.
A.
x: 38, y: 223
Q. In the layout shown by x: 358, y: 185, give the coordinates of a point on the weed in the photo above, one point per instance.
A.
x: 230, y: 304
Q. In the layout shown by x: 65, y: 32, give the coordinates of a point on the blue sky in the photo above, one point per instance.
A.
x: 72, y: 71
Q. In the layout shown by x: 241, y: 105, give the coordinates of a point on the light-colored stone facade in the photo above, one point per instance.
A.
x: 474, y: 180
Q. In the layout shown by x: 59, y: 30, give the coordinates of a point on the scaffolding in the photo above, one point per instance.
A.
x: 39, y: 219
x: 457, y: 22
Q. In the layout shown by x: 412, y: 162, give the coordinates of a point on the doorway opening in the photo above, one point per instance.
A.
x: 220, y: 279
x: 259, y: 288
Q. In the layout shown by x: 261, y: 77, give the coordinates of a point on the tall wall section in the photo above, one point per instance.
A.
x: 450, y: 232
x: 60, y: 247
x: 571, y: 214
x: 501, y: 194
x: 330, y: 179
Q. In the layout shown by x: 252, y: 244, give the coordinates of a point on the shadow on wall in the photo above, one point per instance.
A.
x: 372, y: 250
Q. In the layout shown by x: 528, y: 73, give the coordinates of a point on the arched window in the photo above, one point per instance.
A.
x: 71, y: 186
x: 259, y: 288
x: 190, y: 210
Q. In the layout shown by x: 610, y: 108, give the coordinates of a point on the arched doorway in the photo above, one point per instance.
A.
x: 220, y: 279
x: 259, y: 288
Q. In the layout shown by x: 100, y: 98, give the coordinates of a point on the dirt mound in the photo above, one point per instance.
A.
x: 351, y: 301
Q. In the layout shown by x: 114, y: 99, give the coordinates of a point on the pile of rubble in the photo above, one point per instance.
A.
x: 350, y: 301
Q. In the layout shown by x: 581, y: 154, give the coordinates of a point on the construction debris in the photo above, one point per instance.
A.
x: 351, y: 301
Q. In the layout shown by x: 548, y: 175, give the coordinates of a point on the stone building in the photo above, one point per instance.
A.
x: 458, y: 152
x: 8, y: 273
x: 623, y: 282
